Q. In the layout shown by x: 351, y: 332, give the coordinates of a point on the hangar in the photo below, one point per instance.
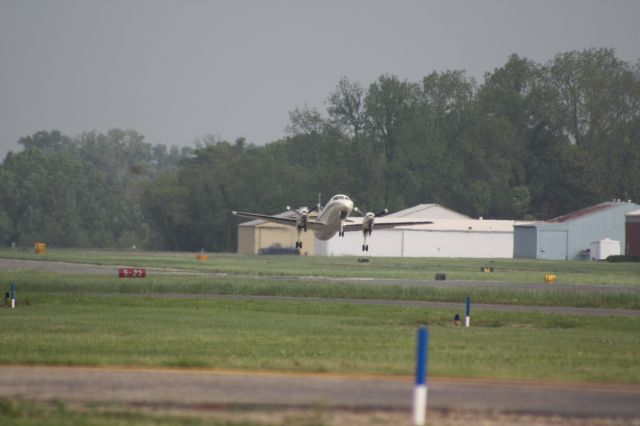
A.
x: 569, y: 237
x: 451, y: 235
x: 259, y: 234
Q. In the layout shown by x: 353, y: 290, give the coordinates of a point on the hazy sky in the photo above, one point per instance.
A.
x: 178, y: 70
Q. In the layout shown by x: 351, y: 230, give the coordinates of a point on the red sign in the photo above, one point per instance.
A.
x: 132, y: 273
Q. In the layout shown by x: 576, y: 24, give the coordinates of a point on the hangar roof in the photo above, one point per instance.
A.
x: 429, y: 211
x: 468, y: 225
x: 586, y: 211
x: 633, y: 213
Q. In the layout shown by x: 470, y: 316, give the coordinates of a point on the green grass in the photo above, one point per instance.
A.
x: 48, y: 282
x: 517, y: 270
x: 315, y: 337
x: 30, y: 413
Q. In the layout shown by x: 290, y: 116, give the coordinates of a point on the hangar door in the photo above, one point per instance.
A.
x: 553, y: 245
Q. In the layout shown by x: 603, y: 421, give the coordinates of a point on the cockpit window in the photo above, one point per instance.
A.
x: 339, y: 197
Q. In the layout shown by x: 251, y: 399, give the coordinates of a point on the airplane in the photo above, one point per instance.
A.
x: 334, y: 218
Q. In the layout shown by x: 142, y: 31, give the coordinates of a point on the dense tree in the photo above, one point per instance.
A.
x: 81, y: 191
x: 532, y: 141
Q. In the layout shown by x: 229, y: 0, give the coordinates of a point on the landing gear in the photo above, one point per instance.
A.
x: 340, y: 233
x: 365, y: 232
x: 298, y: 241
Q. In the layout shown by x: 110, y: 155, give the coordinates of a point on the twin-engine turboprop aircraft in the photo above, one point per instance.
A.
x: 334, y: 219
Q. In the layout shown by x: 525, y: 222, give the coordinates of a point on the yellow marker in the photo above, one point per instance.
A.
x: 550, y: 278
x: 40, y: 248
x: 202, y: 257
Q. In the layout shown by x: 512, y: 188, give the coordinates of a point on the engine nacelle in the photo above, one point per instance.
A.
x: 302, y: 221
x: 303, y: 217
x: 367, y: 223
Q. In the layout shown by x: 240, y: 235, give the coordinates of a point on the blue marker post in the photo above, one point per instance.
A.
x: 13, y: 295
x: 467, y: 319
x: 420, y: 391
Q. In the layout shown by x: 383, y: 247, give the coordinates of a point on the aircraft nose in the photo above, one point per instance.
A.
x: 349, y: 205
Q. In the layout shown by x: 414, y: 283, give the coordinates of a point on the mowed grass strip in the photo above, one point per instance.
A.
x: 315, y: 337
x: 514, y: 270
x: 49, y: 282
x: 57, y: 413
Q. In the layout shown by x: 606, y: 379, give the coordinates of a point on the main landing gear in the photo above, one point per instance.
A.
x: 365, y: 232
x: 299, y: 241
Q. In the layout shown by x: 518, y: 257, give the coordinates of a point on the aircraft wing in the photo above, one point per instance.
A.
x: 289, y: 221
x: 355, y: 224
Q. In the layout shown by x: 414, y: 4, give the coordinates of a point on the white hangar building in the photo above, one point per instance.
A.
x: 451, y: 234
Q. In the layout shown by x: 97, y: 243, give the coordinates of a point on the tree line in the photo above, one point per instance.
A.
x: 532, y: 141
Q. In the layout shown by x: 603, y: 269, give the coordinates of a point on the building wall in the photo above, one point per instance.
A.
x: 386, y: 243
x: 246, y: 240
x: 253, y: 238
x: 553, y: 242
x: 267, y: 236
x: 458, y: 244
x: 632, y: 233
x: 525, y: 242
x: 420, y: 243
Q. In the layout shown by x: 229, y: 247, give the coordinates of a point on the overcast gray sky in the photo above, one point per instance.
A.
x: 178, y: 70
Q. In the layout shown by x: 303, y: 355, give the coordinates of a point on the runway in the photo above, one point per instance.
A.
x: 65, y: 267
x: 202, y: 388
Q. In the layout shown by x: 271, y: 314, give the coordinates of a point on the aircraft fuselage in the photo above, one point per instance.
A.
x: 332, y: 215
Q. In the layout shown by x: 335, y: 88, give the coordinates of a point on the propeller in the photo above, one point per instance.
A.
x: 303, y: 216
x: 368, y: 219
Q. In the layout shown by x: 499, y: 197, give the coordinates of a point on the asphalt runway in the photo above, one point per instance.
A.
x: 207, y: 388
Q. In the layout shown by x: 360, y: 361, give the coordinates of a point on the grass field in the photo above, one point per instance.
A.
x: 77, y: 319
x: 317, y: 337
x: 515, y: 270
x: 57, y: 413
x: 48, y: 282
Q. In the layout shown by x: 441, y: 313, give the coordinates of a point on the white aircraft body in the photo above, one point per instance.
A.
x: 334, y: 218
